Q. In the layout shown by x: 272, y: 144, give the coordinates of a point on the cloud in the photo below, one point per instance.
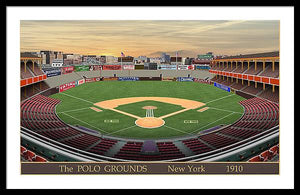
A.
x: 143, y: 37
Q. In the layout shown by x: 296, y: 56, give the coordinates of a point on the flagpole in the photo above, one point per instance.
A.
x: 176, y: 61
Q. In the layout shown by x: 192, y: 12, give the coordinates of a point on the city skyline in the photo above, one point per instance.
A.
x: 150, y: 38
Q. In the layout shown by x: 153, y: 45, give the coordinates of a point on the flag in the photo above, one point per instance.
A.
x: 122, y: 54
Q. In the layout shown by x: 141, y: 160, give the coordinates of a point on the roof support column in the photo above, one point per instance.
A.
x: 25, y: 62
x: 242, y: 65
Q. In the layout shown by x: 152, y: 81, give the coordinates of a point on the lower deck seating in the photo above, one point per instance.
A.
x: 38, y: 114
x: 28, y: 155
x: 267, y: 155
x: 259, y: 115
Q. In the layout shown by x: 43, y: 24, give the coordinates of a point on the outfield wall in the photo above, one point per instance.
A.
x: 67, y: 78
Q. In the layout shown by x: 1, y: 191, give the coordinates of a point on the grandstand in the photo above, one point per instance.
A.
x: 255, y: 74
x: 255, y: 131
x: 32, y: 76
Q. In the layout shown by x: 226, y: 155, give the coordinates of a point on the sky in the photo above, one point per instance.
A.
x: 150, y: 37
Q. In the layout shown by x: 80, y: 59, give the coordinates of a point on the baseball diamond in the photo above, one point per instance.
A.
x: 174, y: 102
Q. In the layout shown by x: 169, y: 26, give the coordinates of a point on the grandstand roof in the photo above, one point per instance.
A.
x: 28, y: 55
x: 256, y: 55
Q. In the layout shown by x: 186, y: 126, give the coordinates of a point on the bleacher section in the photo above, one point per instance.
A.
x: 35, y: 70
x: 252, y: 70
x: 269, y: 72
x: 38, y: 114
x: 259, y: 116
x: 65, y: 78
x: 252, y: 90
x: 270, y: 95
x: 25, y: 73
x: 30, y: 90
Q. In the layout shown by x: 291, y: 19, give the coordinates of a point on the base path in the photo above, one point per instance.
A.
x: 149, y: 121
x: 108, y: 104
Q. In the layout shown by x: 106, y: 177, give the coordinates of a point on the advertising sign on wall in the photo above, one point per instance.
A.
x: 128, y: 67
x: 183, y: 79
x: 168, y: 79
x: 139, y: 67
x: 224, y: 87
x: 79, y: 82
x: 66, y: 86
x: 202, y: 67
x: 186, y: 67
x: 94, y: 79
x: 50, y: 72
x: 110, y: 79
x: 202, y: 80
x: 95, y: 67
x: 66, y: 70
x: 81, y: 68
x: 111, y: 67
x: 166, y: 67
x: 128, y: 78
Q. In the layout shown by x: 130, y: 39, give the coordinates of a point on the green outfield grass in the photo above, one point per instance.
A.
x: 224, y: 107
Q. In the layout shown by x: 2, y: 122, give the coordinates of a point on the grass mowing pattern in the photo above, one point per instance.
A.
x: 224, y: 107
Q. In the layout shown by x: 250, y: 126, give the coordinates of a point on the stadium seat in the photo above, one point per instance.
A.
x: 255, y: 159
x: 266, y: 155
x: 274, y: 150
x: 40, y: 159
x: 30, y: 156
x: 23, y: 150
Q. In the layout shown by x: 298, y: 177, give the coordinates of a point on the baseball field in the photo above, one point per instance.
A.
x: 148, y: 109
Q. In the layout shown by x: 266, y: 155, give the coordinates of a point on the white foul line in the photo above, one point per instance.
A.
x: 213, y: 122
x: 83, y: 122
x: 122, y: 129
x: 218, y: 99
x: 74, y: 110
x: 225, y: 110
x: 77, y: 98
x: 176, y: 129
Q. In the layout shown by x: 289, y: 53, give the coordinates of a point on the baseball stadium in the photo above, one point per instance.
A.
x: 225, y: 109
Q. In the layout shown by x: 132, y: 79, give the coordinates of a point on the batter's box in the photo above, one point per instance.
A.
x: 111, y: 121
x: 190, y: 121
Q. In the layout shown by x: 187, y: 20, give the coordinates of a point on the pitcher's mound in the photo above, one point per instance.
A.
x: 149, y: 122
